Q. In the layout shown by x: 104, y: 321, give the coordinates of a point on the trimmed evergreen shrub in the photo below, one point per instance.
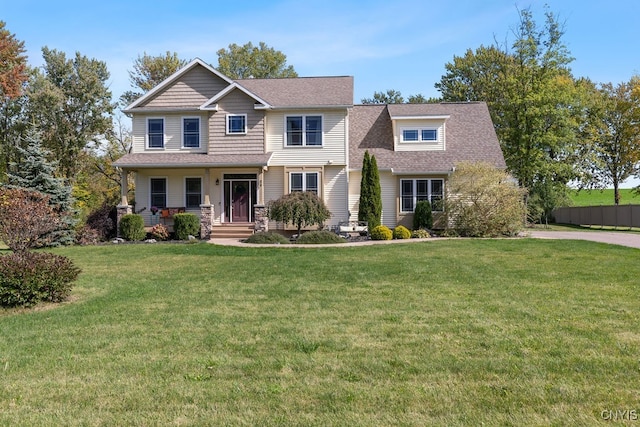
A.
x: 423, y: 216
x: 420, y: 234
x: 319, y: 237
x: 401, y: 232
x: 381, y: 232
x: 185, y: 225
x: 266, y: 237
x: 27, y: 278
x: 132, y: 227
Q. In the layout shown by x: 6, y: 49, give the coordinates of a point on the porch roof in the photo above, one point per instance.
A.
x: 191, y: 160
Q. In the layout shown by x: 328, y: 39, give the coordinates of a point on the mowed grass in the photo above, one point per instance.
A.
x: 444, y: 332
x: 603, y: 197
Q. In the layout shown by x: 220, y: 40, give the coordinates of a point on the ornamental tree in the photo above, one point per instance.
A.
x: 370, y: 206
x: 300, y: 208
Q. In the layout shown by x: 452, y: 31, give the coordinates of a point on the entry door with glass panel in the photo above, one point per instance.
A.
x: 239, y: 197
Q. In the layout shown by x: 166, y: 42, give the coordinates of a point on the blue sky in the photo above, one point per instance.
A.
x: 399, y: 44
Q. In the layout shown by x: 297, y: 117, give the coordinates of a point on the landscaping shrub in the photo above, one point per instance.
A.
x: 300, y: 208
x: 319, y: 237
x: 381, y: 232
x: 267, y: 237
x: 132, y: 227
x: 423, y: 216
x: 420, y: 234
x: 27, y: 278
x: 102, y: 220
x: 87, y: 236
x: 159, y: 232
x: 185, y: 225
x: 401, y: 232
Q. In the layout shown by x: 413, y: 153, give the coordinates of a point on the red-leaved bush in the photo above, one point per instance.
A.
x: 27, y: 278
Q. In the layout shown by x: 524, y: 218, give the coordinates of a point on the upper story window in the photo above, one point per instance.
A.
x: 420, y: 135
x: 303, y: 131
x: 236, y: 123
x: 304, y: 181
x: 191, y: 132
x: 413, y: 191
x: 155, y: 133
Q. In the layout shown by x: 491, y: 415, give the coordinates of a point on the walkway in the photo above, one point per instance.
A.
x: 611, y: 237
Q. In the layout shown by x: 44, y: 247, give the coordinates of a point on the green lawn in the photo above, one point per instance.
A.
x: 446, y: 332
x: 603, y: 197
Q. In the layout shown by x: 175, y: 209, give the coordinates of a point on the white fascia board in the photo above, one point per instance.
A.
x: 175, y: 76
x: 227, y: 90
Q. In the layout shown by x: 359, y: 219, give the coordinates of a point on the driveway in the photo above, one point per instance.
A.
x: 612, y: 237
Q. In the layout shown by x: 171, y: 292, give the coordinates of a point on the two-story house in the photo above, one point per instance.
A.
x: 222, y: 148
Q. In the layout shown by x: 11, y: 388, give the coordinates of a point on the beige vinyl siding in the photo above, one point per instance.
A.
x: 335, y: 193
x: 438, y: 145
x: 389, y: 194
x: 273, y: 183
x: 334, y: 136
x: 252, y: 142
x: 192, y: 90
x: 172, y: 133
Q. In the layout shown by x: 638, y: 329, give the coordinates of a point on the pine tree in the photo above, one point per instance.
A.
x: 35, y: 172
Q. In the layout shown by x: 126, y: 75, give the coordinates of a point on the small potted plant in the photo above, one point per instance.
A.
x: 154, y: 212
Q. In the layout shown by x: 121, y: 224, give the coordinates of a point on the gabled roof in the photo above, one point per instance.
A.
x: 469, y: 134
x: 303, y: 92
x: 233, y: 86
x: 173, y: 78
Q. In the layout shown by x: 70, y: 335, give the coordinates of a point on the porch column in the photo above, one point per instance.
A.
x: 261, y: 222
x: 206, y: 208
x: 124, y: 208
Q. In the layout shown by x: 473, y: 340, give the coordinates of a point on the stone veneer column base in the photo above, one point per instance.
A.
x: 261, y: 222
x: 122, y: 210
x: 206, y: 221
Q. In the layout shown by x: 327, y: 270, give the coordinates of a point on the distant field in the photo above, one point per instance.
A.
x: 603, y: 197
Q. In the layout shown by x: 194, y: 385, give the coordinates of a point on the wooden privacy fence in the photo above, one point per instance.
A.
x: 613, y: 216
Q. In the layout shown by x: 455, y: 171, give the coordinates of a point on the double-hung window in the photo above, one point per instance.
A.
x: 413, y: 191
x: 303, y: 131
x: 193, y: 192
x: 158, y: 192
x: 304, y: 181
x: 155, y: 133
x: 236, y: 124
x: 191, y: 132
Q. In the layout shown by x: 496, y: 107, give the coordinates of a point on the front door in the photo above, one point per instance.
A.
x: 240, y: 201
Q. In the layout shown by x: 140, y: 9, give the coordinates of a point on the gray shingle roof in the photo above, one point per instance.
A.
x: 470, y: 136
x: 176, y: 160
x: 303, y: 91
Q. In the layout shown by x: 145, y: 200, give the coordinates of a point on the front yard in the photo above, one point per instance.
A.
x: 447, y: 332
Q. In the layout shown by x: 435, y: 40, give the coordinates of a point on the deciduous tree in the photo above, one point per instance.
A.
x: 148, y: 72
x: 249, y: 61
x: 13, y: 64
x: 300, y: 208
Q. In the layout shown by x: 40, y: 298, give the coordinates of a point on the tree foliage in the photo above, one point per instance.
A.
x: 249, y: 61
x: 612, y: 129
x: 535, y: 104
x: 13, y: 64
x: 149, y: 71
x: 300, y: 208
x: 483, y: 201
x: 70, y: 102
x: 370, y: 204
x: 392, y: 96
x: 26, y: 218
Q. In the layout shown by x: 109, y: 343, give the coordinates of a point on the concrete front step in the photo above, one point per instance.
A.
x: 232, y: 231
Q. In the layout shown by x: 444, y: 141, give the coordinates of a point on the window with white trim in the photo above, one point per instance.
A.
x: 155, y: 133
x: 420, y: 135
x: 303, y: 131
x: 413, y: 191
x: 158, y: 191
x: 191, y: 132
x: 236, y: 124
x: 304, y: 181
x: 192, y: 192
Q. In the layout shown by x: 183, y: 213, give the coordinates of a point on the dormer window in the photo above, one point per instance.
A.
x: 420, y: 135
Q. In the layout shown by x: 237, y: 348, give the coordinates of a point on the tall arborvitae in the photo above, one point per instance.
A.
x: 375, y: 194
x: 35, y: 172
x: 364, y: 207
